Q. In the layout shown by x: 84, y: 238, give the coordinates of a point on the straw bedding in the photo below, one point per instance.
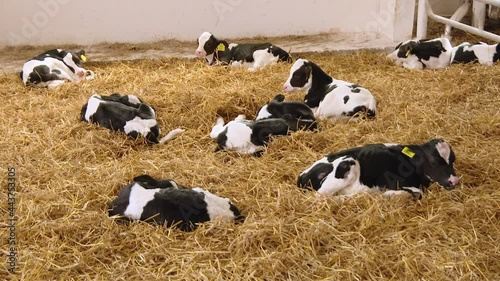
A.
x: 68, y: 171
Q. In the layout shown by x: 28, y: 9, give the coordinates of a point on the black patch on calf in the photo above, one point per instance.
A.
x: 297, y: 114
x: 343, y: 168
x: 238, y: 218
x: 120, y: 204
x: 183, y: 208
x: 346, y: 99
x: 362, y: 111
x: 426, y: 49
x: 321, y: 85
x: 221, y: 141
x: 211, y: 45
x: 462, y: 56
x: 496, y: 56
x: 282, y: 54
x: 301, y: 75
x: 149, y: 182
x: 41, y: 73
x: 263, y: 129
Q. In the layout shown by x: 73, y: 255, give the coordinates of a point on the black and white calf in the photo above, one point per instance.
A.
x: 52, y: 68
x: 298, y: 113
x: 126, y: 114
x: 247, y: 136
x: 476, y: 53
x: 425, y: 53
x: 253, y: 55
x: 166, y: 202
x: 392, y: 167
x: 329, y: 98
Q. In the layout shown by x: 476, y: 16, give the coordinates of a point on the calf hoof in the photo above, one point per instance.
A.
x: 415, y: 192
x: 89, y: 75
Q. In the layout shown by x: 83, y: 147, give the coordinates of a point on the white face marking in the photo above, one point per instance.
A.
x: 92, y: 106
x: 217, y: 207
x: 444, y: 151
x: 141, y: 126
x: 263, y: 113
x: 133, y: 99
x: 139, y: 197
x: 200, y: 51
x: 287, y: 87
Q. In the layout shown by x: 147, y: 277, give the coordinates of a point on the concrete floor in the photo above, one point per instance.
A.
x: 13, y: 58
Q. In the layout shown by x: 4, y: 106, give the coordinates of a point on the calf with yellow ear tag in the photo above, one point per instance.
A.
x: 420, y: 54
x: 53, y: 67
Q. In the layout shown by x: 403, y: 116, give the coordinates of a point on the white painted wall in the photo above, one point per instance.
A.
x: 39, y: 22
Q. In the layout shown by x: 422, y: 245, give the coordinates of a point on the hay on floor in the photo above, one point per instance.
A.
x: 68, y: 171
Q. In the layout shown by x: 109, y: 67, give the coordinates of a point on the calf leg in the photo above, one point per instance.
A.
x: 217, y: 129
x: 54, y: 83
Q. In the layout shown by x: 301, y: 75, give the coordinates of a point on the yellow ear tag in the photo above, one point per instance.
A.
x: 221, y: 47
x: 408, y: 152
x: 83, y: 58
x: 409, y: 52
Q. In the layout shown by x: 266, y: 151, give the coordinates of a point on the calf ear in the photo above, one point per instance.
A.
x: 279, y: 98
x: 145, y: 111
x: 342, y: 170
x: 147, y: 181
x: 82, y: 112
x: 308, y: 71
x: 152, y: 138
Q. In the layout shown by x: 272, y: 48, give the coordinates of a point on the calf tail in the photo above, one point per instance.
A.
x: 172, y: 134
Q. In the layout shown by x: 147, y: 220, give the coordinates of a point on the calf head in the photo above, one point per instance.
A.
x: 300, y: 76
x: 149, y: 182
x: 219, y: 207
x: 439, y: 164
x: 403, y: 49
x: 75, y: 60
x: 206, y: 44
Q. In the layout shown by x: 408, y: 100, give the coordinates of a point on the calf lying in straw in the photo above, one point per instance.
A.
x: 329, y: 99
x: 247, y: 136
x: 52, y: 68
x: 298, y: 113
x: 400, y: 169
x: 128, y: 114
x: 164, y: 201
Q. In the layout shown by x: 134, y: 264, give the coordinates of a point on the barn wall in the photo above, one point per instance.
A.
x: 95, y: 21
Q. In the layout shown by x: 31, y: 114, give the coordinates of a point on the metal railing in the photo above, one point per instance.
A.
x: 479, y: 13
